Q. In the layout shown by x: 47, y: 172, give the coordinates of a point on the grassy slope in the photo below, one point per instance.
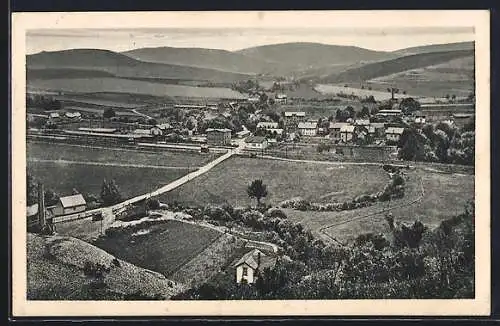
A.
x: 436, y: 48
x: 55, y: 272
x: 164, y: 249
x: 228, y: 181
x: 383, y: 68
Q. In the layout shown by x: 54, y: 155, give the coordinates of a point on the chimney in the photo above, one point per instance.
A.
x: 41, y: 205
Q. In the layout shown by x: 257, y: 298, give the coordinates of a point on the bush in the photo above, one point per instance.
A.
x: 152, y: 203
x: 276, y: 213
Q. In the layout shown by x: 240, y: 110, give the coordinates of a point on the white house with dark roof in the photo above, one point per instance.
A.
x: 308, y: 128
x: 256, y: 142
x: 393, y: 133
x: 70, y: 205
x: 347, y: 133
x: 335, y: 128
x: 251, y: 264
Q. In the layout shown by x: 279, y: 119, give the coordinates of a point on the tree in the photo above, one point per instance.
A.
x: 31, y: 190
x: 109, y: 113
x: 257, y: 189
x: 110, y: 194
x: 365, y: 112
x: 409, y: 105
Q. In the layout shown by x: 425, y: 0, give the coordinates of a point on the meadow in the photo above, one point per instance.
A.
x: 63, y: 168
x: 227, y: 182
x: 119, y: 85
x: 162, y: 248
x: 430, y: 197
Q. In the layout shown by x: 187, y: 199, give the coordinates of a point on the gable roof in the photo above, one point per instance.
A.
x: 394, y: 130
x: 347, y: 128
x: 307, y: 125
x: 72, y: 201
x: 251, y: 260
x: 299, y: 114
x: 255, y: 139
x: 218, y: 130
x: 337, y: 125
x: 267, y: 125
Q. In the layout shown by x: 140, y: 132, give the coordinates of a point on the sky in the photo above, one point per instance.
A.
x: 123, y: 39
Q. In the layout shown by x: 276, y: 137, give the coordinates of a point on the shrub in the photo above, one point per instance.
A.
x: 152, y: 203
x: 276, y: 212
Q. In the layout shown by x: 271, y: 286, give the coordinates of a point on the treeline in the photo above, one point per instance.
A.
x: 413, y: 262
x: 43, y: 102
x: 441, y: 142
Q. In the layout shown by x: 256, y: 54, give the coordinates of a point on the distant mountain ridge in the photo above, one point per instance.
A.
x: 121, y: 65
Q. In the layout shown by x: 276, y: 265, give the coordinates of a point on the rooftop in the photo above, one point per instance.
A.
x: 251, y: 259
x: 347, y: 128
x: 298, y: 114
x: 337, y: 125
x: 218, y: 130
x: 72, y: 201
x: 255, y: 139
x: 394, y: 130
x: 307, y: 125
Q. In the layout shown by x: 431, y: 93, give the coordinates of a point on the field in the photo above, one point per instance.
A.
x: 377, y: 94
x: 453, y: 77
x: 64, y: 167
x: 163, y: 248
x: 118, y: 85
x: 443, y: 196
x: 227, y: 182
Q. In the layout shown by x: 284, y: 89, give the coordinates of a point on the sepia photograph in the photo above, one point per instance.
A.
x: 236, y: 163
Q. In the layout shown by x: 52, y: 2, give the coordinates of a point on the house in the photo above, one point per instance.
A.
x: 292, y: 120
x: 218, y: 136
x: 267, y: 125
x: 251, y: 265
x: 346, y: 133
x: 335, y: 129
x: 393, y: 133
x: 308, y: 128
x: 253, y: 99
x: 256, y: 142
x: 361, y: 122
x: 142, y: 131
x: 73, y: 115
x: 277, y: 131
x: 281, y: 98
x: 54, y: 115
x: 377, y: 129
x: 70, y: 205
x: 420, y: 119
x: 244, y: 133
x: 389, y: 113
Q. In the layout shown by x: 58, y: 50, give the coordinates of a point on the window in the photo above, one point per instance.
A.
x: 245, y: 271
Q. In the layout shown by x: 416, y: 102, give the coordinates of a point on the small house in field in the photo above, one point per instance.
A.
x: 219, y: 136
x: 251, y: 265
x: 420, y: 119
x: 256, y: 142
x: 308, y: 128
x: 347, y: 133
x: 393, y: 134
x: 70, y: 205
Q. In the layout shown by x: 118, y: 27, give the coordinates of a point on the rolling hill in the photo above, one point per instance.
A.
x: 120, y: 65
x: 388, y: 67
x: 459, y: 46
x: 203, y: 58
x: 305, y: 56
